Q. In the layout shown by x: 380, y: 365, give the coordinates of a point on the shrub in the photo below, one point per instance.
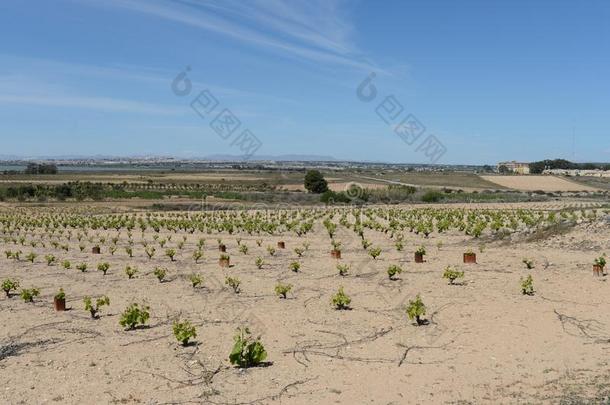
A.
x: 61, y: 295
x: 336, y: 245
x: 421, y: 250
x: 247, y: 352
x: 399, y: 245
x: 31, y: 257
x: 234, y: 283
x: 195, y: 280
x: 99, y: 303
x: 82, y: 267
x: 243, y: 249
x: 50, y: 260
x: 529, y: 264
x: 150, y: 251
x: 343, y: 269
x: 366, y: 244
x: 393, y: 270
x: 299, y: 251
x: 259, y: 242
x: 184, y: 331
x: 375, y: 252
x: 103, y: 267
x: 134, y: 315
x: 67, y: 265
x: 527, y: 285
x: 452, y: 274
x: 295, y: 266
x: 171, y: 253
x: 197, y: 255
x: 600, y: 261
x: 341, y: 300
x: 131, y: 271
x: 129, y: 251
x: 281, y: 290
x: 333, y: 197
x: 160, y: 273
x: 259, y: 262
x: 28, y: 294
x: 416, y: 309
x: 9, y: 285
x: 432, y: 196
x: 271, y: 250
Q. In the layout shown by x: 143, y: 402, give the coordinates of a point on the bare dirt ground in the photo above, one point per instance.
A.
x: 337, y: 186
x: 543, y: 183
x: 452, y: 180
x: 485, y: 341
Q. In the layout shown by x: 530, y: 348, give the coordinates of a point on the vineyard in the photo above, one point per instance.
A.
x: 304, y: 305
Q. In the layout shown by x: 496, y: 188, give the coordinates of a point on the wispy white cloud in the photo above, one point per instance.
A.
x: 317, y: 23
x: 314, y: 31
x: 22, y: 89
x: 92, y: 103
x: 65, y: 72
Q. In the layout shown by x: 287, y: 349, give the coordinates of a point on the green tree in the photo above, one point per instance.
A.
x: 315, y: 182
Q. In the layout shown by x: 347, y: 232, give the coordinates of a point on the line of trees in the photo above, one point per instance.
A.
x: 76, y: 190
x: 540, y: 166
x: 40, y: 168
x: 99, y: 191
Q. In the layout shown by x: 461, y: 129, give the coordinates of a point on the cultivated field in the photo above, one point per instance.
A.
x: 450, y: 179
x: 282, y: 179
x: 542, y: 183
x: 479, y: 340
x: 602, y: 183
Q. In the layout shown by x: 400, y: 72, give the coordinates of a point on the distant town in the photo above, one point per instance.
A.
x: 293, y: 162
x: 46, y: 165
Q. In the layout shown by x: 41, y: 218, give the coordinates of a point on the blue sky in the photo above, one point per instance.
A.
x: 491, y: 80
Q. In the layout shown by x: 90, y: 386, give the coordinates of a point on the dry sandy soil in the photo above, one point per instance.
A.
x: 337, y: 186
x: 485, y: 341
x: 533, y: 183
